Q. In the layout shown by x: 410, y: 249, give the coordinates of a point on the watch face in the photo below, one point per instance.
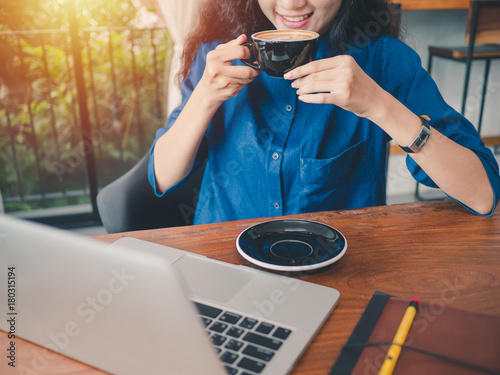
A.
x: 421, y: 139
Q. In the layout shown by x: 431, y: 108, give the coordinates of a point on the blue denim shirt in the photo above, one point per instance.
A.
x: 270, y: 154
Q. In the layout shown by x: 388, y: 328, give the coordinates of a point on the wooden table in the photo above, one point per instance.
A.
x: 436, y: 251
x: 432, y: 4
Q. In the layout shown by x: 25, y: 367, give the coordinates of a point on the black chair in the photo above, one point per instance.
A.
x: 129, y: 203
x: 482, y: 43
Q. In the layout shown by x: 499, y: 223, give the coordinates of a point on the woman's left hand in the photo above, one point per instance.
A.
x: 337, y: 80
x: 340, y: 81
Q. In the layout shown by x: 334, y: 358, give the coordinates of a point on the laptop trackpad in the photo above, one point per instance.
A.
x: 211, y: 279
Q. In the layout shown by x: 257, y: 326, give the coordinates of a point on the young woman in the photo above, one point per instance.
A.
x: 315, y: 140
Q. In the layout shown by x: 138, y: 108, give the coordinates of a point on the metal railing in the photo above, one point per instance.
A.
x: 77, y: 109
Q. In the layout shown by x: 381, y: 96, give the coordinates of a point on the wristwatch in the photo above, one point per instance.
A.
x: 421, y: 139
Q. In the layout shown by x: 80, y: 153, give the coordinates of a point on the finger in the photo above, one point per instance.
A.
x: 235, y: 42
x: 226, y: 55
x: 326, y: 76
x: 241, y: 39
x: 231, y: 50
x: 322, y: 98
x: 313, y: 87
x: 312, y: 67
x: 240, y: 72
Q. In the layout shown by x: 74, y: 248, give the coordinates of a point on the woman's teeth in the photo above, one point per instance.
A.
x: 296, y: 19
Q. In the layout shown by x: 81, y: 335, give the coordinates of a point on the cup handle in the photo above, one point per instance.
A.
x: 248, y: 63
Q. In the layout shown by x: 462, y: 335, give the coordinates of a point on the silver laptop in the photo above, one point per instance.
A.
x: 127, y: 308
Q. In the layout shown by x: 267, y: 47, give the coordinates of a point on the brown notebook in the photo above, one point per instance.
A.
x: 442, y: 340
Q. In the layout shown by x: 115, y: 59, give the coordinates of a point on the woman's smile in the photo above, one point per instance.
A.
x: 314, y: 15
x: 295, y: 21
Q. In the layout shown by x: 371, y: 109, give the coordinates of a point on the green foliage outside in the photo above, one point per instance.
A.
x: 42, y: 156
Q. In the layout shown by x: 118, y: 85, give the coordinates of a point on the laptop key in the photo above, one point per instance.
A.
x: 264, y: 328
x: 230, y: 317
x: 231, y: 370
x: 251, y: 365
x: 234, y: 345
x: 282, y: 333
x: 218, y: 340
x: 235, y: 332
x: 258, y: 353
x: 218, y: 327
x: 248, y: 323
x: 229, y: 357
x: 267, y: 342
x: 206, y: 321
x: 211, y: 312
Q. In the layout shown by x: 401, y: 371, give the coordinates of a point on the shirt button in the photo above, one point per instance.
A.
x: 277, y: 205
x: 288, y: 107
x: 276, y: 156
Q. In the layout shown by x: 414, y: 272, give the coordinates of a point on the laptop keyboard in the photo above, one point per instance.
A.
x: 244, y: 344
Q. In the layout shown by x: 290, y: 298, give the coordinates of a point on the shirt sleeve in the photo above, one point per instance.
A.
x: 416, y: 89
x: 187, y: 87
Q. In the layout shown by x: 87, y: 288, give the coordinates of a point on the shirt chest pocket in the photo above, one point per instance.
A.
x: 337, y: 183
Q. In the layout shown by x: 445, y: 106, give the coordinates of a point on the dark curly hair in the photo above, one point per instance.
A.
x: 373, y: 17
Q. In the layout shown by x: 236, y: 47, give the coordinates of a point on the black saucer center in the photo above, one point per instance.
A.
x: 291, y: 249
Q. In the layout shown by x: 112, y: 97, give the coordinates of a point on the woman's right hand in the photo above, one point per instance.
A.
x: 221, y: 79
x: 175, y: 151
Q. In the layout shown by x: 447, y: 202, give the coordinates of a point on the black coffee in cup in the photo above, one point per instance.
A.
x: 279, y: 51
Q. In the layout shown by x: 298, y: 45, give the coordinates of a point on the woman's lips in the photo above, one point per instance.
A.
x: 295, y: 22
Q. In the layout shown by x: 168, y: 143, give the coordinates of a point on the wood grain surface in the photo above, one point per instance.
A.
x: 432, y: 4
x: 436, y: 251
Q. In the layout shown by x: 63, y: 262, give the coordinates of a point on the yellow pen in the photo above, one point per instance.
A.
x: 399, y: 339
